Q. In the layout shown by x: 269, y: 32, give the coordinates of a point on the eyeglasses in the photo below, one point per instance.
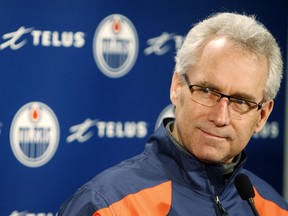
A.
x: 238, y: 107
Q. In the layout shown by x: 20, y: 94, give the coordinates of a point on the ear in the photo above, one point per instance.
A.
x: 175, y: 87
x: 264, y: 114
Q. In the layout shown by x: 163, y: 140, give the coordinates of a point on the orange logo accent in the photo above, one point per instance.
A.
x: 116, y: 26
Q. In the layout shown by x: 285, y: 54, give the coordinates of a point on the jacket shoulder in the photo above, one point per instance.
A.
x: 267, y: 199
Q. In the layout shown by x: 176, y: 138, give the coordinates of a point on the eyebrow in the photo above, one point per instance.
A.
x: 240, y: 95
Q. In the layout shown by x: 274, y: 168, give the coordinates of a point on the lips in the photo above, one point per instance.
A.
x: 215, y: 134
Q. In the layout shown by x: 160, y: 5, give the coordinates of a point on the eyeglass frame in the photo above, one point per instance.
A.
x: 256, y: 105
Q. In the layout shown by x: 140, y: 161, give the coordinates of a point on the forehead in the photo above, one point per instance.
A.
x: 229, y: 69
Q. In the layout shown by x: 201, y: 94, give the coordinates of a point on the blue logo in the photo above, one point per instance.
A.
x: 115, y: 46
x: 34, y: 134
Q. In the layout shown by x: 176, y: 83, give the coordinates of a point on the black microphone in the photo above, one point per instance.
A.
x: 245, y: 190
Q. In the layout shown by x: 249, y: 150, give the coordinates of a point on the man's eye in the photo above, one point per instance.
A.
x: 206, y: 91
x: 240, y: 101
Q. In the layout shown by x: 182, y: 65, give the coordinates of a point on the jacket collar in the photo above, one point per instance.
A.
x: 199, y: 175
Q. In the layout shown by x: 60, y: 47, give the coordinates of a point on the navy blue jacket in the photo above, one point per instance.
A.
x: 165, y: 180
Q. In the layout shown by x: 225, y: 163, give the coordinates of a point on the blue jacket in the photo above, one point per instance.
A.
x: 164, y: 180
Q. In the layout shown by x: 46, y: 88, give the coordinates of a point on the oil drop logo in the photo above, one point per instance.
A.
x: 115, y: 46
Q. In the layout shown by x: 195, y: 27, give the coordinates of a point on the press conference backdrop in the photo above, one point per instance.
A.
x: 85, y: 83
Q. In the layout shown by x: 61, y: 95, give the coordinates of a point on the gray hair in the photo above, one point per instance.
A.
x: 250, y: 34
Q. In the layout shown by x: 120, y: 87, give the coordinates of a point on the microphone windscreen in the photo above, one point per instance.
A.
x: 244, y: 186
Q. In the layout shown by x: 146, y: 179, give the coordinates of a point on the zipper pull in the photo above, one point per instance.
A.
x: 220, y: 206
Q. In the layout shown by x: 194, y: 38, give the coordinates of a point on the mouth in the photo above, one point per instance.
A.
x: 214, y: 135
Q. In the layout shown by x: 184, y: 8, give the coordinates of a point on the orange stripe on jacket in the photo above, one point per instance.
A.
x: 154, y: 201
x: 267, y: 207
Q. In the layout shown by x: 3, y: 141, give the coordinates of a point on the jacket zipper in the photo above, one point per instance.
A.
x: 220, y: 206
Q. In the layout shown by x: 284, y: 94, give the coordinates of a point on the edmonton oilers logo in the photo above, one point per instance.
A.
x: 115, y: 46
x: 34, y: 134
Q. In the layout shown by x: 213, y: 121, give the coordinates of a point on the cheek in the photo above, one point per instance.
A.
x: 243, y: 136
x: 184, y: 115
x: 181, y: 100
x: 188, y: 115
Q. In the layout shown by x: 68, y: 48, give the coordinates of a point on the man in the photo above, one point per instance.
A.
x: 227, y: 74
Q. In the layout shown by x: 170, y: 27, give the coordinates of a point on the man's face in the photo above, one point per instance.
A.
x: 211, y: 134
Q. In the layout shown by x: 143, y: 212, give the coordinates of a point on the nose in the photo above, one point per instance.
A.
x: 219, y: 114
